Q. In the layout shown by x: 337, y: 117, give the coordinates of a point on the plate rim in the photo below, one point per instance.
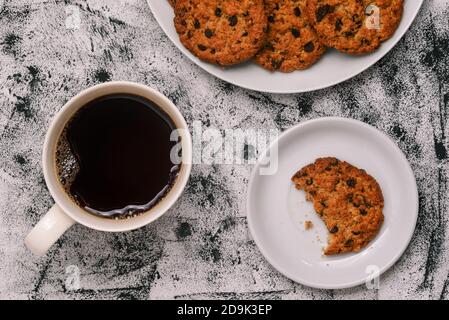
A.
x: 390, y: 44
x: 346, y: 285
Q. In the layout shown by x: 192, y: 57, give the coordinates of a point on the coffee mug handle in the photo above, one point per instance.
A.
x: 48, y: 230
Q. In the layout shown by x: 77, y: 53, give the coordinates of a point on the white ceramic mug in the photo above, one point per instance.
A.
x: 66, y: 212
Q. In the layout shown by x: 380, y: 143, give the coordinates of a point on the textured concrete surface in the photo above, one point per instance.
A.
x: 201, y: 249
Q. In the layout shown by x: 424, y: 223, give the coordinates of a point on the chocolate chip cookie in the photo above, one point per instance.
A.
x: 347, y: 199
x: 292, y: 42
x: 355, y: 26
x: 223, y: 32
x: 172, y: 2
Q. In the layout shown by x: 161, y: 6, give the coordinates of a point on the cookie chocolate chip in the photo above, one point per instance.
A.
x: 354, y: 26
x: 347, y: 199
x: 223, y: 32
x: 292, y: 42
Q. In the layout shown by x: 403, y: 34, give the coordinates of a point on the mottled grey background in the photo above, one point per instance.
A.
x: 201, y: 249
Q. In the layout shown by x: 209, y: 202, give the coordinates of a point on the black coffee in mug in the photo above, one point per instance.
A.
x: 114, y: 156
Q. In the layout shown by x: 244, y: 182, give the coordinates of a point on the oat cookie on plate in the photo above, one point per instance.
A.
x: 223, y: 32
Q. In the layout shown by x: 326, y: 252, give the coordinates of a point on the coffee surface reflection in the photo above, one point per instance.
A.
x: 113, y: 157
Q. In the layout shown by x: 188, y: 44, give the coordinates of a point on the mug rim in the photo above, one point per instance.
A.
x: 61, y: 197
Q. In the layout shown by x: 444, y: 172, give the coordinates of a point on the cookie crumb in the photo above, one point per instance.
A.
x: 308, y: 225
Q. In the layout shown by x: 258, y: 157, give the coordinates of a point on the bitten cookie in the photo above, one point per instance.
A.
x: 223, y: 32
x: 292, y: 42
x: 355, y: 26
x: 347, y: 199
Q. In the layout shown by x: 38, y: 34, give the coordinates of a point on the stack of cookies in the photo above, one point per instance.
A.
x: 283, y: 35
